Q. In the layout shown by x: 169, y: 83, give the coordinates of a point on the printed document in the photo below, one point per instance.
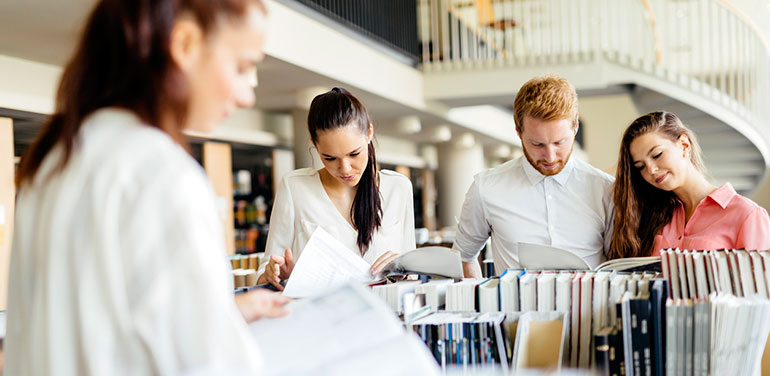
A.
x: 325, y: 264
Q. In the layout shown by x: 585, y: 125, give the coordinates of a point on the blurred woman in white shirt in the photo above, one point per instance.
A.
x: 369, y: 211
x: 118, y: 263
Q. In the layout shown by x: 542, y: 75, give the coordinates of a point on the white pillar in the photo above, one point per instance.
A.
x: 458, y: 161
x: 304, y: 152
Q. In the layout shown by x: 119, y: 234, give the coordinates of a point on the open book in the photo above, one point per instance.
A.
x: 326, y: 264
x: 433, y: 261
x: 546, y: 257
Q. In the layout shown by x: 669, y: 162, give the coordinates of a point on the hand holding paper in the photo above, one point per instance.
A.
x: 324, y: 265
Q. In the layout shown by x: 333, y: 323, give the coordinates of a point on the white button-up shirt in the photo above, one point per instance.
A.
x: 515, y: 203
x: 118, y: 263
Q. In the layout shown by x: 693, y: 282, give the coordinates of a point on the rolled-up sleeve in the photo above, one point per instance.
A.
x: 473, y: 229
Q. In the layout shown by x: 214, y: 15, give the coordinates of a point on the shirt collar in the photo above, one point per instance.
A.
x: 723, y: 195
x: 535, y: 176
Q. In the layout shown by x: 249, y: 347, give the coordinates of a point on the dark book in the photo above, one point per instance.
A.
x: 636, y: 335
x: 617, y: 365
x: 658, y: 296
x: 602, y: 351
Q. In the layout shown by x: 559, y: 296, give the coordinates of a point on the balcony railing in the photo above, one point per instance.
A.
x: 391, y: 22
x: 705, y: 46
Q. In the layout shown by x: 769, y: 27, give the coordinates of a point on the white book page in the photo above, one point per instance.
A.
x: 325, y: 264
x: 326, y: 329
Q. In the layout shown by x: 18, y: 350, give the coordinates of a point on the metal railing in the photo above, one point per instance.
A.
x: 391, y: 22
x: 705, y: 46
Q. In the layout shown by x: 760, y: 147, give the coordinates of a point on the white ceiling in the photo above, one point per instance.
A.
x: 46, y: 31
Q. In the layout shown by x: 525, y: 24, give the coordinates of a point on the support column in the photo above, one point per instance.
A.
x: 217, y: 161
x: 7, y: 201
x: 305, y: 154
x: 458, y: 161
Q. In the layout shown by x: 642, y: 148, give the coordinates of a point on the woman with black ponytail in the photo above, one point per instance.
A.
x: 368, y: 210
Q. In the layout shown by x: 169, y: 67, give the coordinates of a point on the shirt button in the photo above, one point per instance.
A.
x: 550, y: 228
x: 549, y: 197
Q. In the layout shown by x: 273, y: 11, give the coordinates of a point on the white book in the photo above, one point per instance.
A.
x: 564, y: 305
x: 701, y: 281
x: 564, y: 291
x: 435, y: 292
x: 676, y: 291
x: 509, y: 290
x: 586, y: 335
x: 759, y: 274
x: 766, y: 262
x: 735, y: 274
x: 664, y: 267
x: 489, y: 295
x: 618, y: 287
x: 633, y: 284
x: 708, y: 258
x: 528, y: 292
x: 546, y: 292
x: 393, y: 294
x: 575, y: 320
x: 680, y: 263
x: 671, y: 338
x: 746, y: 273
x: 601, y: 297
x: 461, y: 297
x: 722, y: 271
x: 690, y: 274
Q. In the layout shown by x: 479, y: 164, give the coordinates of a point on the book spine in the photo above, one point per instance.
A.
x: 602, y: 354
x: 671, y: 339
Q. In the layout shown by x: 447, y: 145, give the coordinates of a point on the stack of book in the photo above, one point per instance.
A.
x: 717, y: 311
x: 464, y: 338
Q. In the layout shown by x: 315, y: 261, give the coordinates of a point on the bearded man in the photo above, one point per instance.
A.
x: 543, y: 197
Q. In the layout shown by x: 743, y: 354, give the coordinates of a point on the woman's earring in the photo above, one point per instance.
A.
x: 687, y: 153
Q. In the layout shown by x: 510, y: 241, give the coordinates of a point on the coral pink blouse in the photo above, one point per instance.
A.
x: 724, y: 219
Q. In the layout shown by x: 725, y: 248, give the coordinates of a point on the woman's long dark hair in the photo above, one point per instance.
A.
x: 123, y: 60
x: 642, y: 210
x: 338, y: 108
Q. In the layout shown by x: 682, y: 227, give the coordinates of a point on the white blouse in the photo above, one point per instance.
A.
x: 118, y: 263
x: 301, y: 205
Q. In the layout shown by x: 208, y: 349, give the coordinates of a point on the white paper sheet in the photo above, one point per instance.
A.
x: 325, y: 264
x: 348, y: 331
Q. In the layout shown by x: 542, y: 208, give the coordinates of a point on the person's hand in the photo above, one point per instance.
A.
x: 382, y: 261
x: 278, y: 268
x: 261, y: 303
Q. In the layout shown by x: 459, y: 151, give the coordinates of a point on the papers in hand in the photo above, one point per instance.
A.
x: 347, y: 331
x: 325, y: 264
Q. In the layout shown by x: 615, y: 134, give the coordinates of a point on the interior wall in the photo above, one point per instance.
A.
x: 604, y: 119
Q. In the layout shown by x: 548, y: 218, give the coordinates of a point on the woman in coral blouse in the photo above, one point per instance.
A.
x: 663, y: 198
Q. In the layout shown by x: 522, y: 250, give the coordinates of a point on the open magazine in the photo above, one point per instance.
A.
x: 546, y: 257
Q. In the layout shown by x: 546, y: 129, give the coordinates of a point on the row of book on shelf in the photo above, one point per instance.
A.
x: 707, y: 312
